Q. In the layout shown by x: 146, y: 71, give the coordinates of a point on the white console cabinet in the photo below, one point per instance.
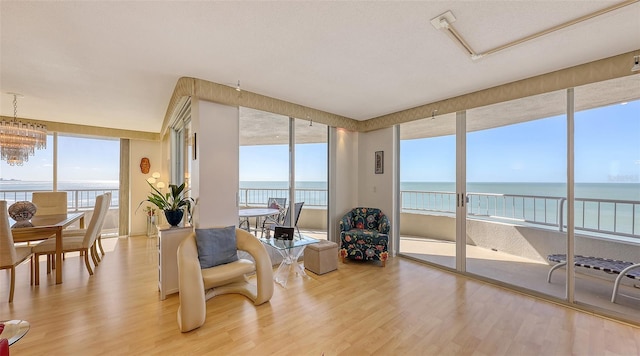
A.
x: 168, y: 240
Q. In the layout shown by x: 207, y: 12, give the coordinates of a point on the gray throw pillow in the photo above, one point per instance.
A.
x: 216, y: 246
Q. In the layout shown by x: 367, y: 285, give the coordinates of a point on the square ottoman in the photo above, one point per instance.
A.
x: 321, y: 257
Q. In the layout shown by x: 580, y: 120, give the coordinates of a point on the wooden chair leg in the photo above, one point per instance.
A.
x: 13, y: 283
x: 94, y: 254
x: 100, y: 244
x: 36, y: 270
x: 86, y: 262
x: 94, y: 251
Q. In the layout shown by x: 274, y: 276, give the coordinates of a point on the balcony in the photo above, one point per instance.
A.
x: 78, y: 200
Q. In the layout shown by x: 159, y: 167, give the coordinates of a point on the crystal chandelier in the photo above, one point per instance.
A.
x: 19, y: 140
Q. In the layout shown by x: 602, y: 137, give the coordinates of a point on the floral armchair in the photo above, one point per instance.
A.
x: 364, y: 235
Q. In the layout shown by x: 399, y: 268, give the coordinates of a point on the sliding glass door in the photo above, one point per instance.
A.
x: 516, y: 184
x: 311, y: 176
x: 607, y: 195
x: 264, y: 160
x: 427, y: 190
x: 284, y: 158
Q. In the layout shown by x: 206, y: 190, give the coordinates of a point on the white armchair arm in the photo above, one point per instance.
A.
x: 192, y: 309
x: 264, y: 268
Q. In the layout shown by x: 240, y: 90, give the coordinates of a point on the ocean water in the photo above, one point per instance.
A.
x: 626, y: 217
x: 618, y: 191
x: 86, y: 196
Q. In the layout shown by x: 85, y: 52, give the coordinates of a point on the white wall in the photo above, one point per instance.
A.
x: 376, y: 190
x: 345, y: 174
x: 215, y: 175
x: 138, y: 181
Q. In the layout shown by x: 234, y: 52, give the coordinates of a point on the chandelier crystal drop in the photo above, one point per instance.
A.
x: 19, y: 140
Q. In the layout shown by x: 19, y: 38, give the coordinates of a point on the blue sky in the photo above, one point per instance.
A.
x: 607, y: 142
x: 80, y: 159
x: 271, y: 163
x: 607, y: 148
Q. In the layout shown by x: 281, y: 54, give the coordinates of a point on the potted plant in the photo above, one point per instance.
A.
x: 173, y: 203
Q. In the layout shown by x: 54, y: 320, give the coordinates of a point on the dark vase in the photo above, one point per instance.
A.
x: 174, y: 216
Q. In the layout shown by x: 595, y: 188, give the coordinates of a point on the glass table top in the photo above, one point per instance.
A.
x: 298, y: 241
x: 13, y: 330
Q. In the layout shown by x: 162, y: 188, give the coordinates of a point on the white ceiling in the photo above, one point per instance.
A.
x: 115, y: 64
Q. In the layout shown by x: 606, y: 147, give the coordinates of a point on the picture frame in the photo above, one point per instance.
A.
x: 283, y: 233
x: 379, y: 162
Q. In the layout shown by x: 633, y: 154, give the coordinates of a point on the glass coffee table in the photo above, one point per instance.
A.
x: 290, y: 250
x: 13, y: 330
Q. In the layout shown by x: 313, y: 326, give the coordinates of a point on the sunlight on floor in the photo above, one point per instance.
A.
x: 412, y: 245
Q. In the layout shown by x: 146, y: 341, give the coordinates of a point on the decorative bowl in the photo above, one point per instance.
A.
x: 21, y: 211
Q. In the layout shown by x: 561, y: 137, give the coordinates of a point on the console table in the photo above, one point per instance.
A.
x: 168, y: 240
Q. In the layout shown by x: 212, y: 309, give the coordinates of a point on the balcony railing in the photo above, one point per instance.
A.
x: 602, y: 216
x: 259, y: 197
x: 76, y: 199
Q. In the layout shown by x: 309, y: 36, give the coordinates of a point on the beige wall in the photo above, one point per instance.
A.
x: 376, y: 190
x: 345, y: 175
x: 138, y: 181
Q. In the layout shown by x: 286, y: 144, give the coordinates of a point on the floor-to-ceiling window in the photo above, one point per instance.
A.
x: 427, y: 189
x: 607, y: 192
x: 270, y: 145
x: 516, y: 182
x: 86, y: 167
x: 264, y: 159
x: 542, y: 185
x: 311, y: 172
x: 34, y: 174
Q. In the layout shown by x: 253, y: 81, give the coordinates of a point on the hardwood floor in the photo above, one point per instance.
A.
x: 361, y: 309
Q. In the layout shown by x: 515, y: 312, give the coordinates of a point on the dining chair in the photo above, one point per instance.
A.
x: 10, y: 254
x: 107, y: 198
x: 85, y: 244
x: 81, y: 232
x: 50, y: 203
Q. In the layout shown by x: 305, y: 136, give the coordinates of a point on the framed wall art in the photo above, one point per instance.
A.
x: 379, y: 162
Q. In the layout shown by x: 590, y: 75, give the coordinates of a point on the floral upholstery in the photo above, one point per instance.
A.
x: 364, y: 235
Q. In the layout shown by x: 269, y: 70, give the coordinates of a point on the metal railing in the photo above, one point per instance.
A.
x: 76, y: 199
x: 604, y: 216
x: 259, y: 197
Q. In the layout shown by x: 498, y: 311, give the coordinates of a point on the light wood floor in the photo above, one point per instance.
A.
x: 362, y: 309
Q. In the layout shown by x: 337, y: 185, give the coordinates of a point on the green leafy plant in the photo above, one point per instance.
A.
x: 175, y: 199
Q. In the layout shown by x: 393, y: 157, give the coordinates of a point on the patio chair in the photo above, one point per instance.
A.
x: 287, y: 221
x: 275, y: 203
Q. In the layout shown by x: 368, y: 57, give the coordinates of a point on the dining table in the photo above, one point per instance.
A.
x: 246, y: 213
x: 48, y: 226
